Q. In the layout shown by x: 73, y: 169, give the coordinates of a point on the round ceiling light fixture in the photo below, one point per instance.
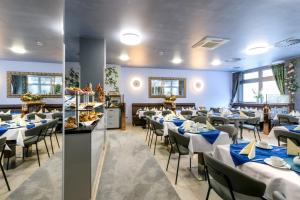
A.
x: 18, y: 49
x: 130, y: 39
x: 216, y: 62
x: 176, y: 60
x: 124, y: 57
x: 258, y: 48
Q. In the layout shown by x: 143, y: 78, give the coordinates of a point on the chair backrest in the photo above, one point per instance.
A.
x: 217, y: 121
x: 288, y: 119
x: 181, y: 140
x: 171, y: 134
x: 166, y: 112
x: 149, y: 113
x: 231, y: 130
x: 234, y: 111
x: 249, y: 113
x: 5, y: 117
x: 202, y: 113
x: 30, y: 116
x: 186, y: 112
x: 200, y: 119
x: 37, y: 131
x: 215, y: 110
x: 287, y: 134
x: 278, y: 196
x: 156, y: 125
x: 232, y: 179
x: 2, y: 143
x: 253, y: 121
x: 58, y: 115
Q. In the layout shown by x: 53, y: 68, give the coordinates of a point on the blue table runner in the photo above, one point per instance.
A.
x: 291, y: 128
x: 211, y: 135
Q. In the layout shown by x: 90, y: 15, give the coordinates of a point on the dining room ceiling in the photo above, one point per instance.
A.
x: 35, y: 26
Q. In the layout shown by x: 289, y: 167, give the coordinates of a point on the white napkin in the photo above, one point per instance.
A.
x: 1, y: 112
x: 40, y: 111
x: 22, y: 122
x: 242, y: 114
x: 37, y: 118
x: 8, y: 112
x: 209, y: 126
x: 16, y: 119
x: 249, y: 150
x: 292, y: 113
x: 292, y: 148
x: 46, y: 111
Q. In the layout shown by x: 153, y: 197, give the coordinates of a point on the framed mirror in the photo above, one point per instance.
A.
x: 48, y: 85
x: 159, y: 87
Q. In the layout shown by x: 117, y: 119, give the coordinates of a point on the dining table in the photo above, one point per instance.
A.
x: 283, y: 180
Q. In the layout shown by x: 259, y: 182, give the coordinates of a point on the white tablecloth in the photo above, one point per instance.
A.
x: 17, y: 134
x: 285, y: 181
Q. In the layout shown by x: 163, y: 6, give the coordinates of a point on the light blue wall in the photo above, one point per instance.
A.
x: 216, y: 89
x: 25, y: 67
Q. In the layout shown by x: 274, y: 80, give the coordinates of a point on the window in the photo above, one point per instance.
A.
x: 160, y: 87
x: 256, y: 84
x: 44, y: 85
x: 251, y: 75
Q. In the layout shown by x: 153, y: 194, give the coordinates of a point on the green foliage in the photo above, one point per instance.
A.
x: 111, y: 77
x: 72, y: 79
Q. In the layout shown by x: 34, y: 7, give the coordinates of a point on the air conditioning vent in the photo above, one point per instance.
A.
x: 232, y: 60
x: 287, y: 42
x: 210, y: 43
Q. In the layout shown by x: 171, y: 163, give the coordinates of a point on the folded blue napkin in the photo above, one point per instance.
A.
x: 291, y: 128
x: 3, y: 129
x: 43, y: 121
x: 178, y: 122
x: 30, y: 126
x: 211, y: 135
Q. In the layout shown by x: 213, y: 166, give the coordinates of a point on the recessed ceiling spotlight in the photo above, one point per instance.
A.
x: 216, y: 62
x: 258, y: 48
x: 39, y: 43
x: 124, y: 57
x: 18, y: 49
x: 130, y: 39
x: 176, y: 60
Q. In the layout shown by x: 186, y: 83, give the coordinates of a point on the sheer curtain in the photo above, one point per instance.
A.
x: 236, y: 79
x: 279, y: 75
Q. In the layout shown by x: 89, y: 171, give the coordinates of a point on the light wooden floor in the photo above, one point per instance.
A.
x: 27, y: 167
x: 188, y: 187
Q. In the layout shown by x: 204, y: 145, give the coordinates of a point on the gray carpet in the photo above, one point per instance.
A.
x: 130, y: 172
x: 45, y: 183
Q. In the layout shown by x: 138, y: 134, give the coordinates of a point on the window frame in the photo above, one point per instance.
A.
x: 171, y: 87
x: 260, y: 81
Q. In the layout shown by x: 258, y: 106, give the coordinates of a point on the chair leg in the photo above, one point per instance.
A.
x: 46, y: 147
x: 155, y: 144
x: 254, y: 134
x: 149, y: 137
x: 190, y: 163
x: 258, y: 134
x: 51, y: 144
x: 7, y: 164
x: 241, y: 133
x: 147, y: 134
x: 4, y: 175
x: 177, y: 169
x: 208, y: 192
x: 169, y: 157
x: 151, y: 140
x: 57, y: 140
x: 37, y: 153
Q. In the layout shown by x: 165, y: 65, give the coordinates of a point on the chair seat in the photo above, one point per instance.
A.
x: 248, y: 126
x: 225, y: 193
x: 183, y: 150
x: 159, y: 132
x: 30, y: 141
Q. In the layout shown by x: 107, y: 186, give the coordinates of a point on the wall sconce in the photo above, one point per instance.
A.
x: 198, y: 85
x: 136, y: 83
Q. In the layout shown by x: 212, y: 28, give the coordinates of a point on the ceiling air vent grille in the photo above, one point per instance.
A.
x: 287, y: 42
x: 210, y: 43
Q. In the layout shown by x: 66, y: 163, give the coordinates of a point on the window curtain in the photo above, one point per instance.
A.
x: 236, y: 80
x: 279, y: 75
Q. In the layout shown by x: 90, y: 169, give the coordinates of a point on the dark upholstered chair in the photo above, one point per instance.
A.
x: 278, y: 196
x: 287, y: 119
x: 251, y: 124
x: 59, y: 126
x: 249, y: 113
x: 5, y: 117
x: 52, y: 130
x: 35, y: 135
x: 2, y: 147
x: 218, y: 121
x: 215, y: 110
x: 231, y: 184
x: 179, y: 144
x: 187, y: 114
x: 282, y: 136
x: 31, y: 116
x: 202, y: 112
x: 158, y: 130
x: 147, y: 117
x: 166, y: 112
x: 231, y: 130
x: 200, y: 119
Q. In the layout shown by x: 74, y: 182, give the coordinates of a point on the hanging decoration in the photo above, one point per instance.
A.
x: 291, y: 83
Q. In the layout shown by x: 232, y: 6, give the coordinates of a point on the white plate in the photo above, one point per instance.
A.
x: 259, y: 146
x: 269, y: 162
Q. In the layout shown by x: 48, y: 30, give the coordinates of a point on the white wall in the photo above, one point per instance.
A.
x: 216, y: 90
x: 25, y: 67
